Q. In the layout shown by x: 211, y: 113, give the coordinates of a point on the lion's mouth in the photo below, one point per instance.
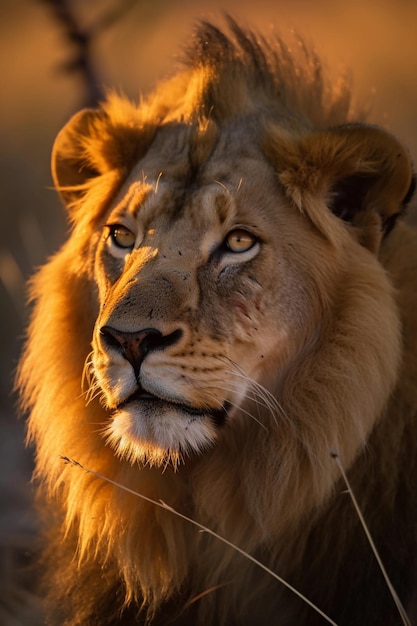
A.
x: 151, y: 404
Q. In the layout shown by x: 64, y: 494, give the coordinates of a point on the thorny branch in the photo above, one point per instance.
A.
x: 82, y: 38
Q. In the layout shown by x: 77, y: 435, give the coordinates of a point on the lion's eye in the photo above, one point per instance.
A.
x: 121, y: 236
x: 239, y: 240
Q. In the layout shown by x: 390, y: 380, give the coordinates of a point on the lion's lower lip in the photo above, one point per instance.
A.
x: 158, y: 404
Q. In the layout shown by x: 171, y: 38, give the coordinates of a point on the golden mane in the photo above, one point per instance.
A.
x: 116, y: 556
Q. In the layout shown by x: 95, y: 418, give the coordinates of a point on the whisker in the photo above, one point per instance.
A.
x: 157, y: 182
x: 237, y: 370
x: 269, y: 400
x: 244, y: 411
x: 94, y: 393
x: 247, y: 396
x: 233, y: 386
x: 90, y: 389
x: 223, y: 186
x: 86, y: 376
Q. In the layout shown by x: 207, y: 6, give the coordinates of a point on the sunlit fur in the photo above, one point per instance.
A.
x: 341, y: 293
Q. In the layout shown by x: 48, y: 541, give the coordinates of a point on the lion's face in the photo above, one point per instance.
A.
x: 197, y: 301
x: 225, y: 248
x: 189, y: 280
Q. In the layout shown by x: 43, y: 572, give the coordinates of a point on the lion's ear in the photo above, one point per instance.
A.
x: 71, y: 162
x: 363, y: 173
x: 95, y: 142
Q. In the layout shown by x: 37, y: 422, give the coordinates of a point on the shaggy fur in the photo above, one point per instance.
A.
x: 241, y: 216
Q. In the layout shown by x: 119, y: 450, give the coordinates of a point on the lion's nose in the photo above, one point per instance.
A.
x: 135, y: 346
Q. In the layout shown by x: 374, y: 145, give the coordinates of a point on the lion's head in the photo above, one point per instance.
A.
x: 222, y: 290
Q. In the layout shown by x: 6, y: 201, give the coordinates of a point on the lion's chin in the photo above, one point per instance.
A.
x: 141, y: 432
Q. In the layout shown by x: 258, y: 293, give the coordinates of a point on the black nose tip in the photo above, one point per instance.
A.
x: 136, y: 345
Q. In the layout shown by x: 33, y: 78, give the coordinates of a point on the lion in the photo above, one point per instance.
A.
x: 238, y: 296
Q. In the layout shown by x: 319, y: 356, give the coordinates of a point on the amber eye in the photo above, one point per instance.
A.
x: 121, y: 236
x: 240, y: 240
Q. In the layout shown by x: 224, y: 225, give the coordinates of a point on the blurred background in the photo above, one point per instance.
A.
x: 134, y: 43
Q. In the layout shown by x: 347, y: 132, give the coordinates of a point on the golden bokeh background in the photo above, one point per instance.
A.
x: 376, y: 39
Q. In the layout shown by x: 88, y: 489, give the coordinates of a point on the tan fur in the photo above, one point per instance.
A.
x: 309, y: 336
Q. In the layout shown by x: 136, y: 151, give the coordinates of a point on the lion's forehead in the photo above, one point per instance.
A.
x: 179, y: 265
x: 231, y: 188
